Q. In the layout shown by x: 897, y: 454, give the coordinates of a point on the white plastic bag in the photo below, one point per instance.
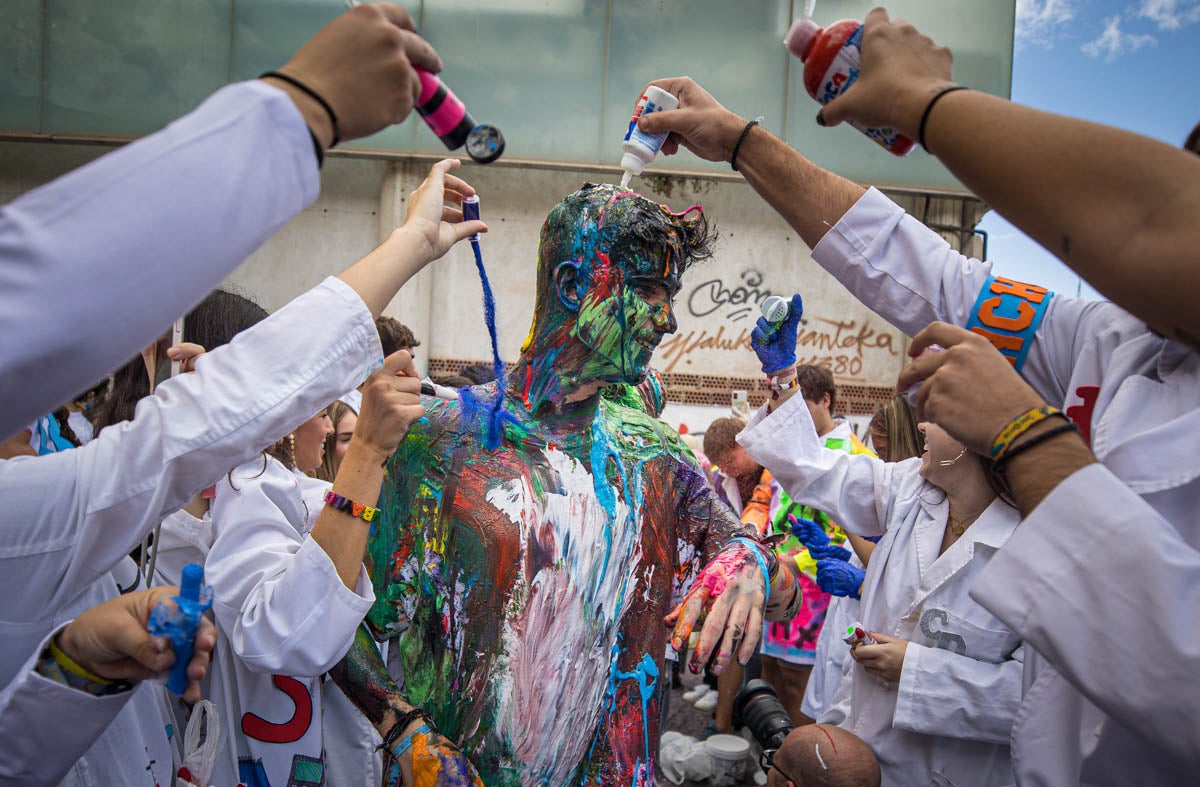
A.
x: 199, y: 759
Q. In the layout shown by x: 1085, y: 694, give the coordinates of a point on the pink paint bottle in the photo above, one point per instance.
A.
x: 832, y: 57
x: 447, y: 116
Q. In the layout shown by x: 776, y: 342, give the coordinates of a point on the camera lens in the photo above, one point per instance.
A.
x: 759, y: 708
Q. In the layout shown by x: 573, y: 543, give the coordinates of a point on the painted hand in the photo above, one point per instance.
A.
x: 950, y: 394
x: 729, y: 594
x: 901, y: 71
x: 432, y: 761
x: 885, y: 660
x: 839, y: 578
x: 775, y: 344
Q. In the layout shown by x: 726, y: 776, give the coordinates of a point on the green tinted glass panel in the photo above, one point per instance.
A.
x: 733, y: 49
x: 21, y: 65
x: 131, y: 66
x: 530, y: 67
x: 980, y: 34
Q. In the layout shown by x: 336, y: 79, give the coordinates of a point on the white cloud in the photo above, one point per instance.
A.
x: 1170, y: 14
x: 1113, y: 43
x: 1039, y: 22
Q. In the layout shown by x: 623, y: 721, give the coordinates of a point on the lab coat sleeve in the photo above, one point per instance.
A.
x: 99, y: 262
x: 1106, y: 591
x: 904, y: 271
x: 70, y: 516
x: 277, y: 595
x: 45, y: 727
x: 910, y: 276
x: 944, y: 693
x: 856, y: 490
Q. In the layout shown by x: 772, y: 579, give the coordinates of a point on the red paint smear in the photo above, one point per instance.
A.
x: 827, y: 735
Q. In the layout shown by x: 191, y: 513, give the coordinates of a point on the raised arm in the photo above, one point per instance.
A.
x: 1116, y: 198
x: 128, y: 243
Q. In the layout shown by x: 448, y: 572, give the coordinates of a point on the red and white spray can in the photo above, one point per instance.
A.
x: 832, y: 58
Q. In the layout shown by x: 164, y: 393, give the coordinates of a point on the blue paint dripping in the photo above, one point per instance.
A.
x: 496, y: 414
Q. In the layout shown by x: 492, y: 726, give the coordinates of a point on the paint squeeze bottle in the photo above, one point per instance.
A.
x: 857, y: 633
x: 776, y: 309
x: 832, y: 58
x: 447, y: 116
x: 178, y: 622
x: 639, y: 147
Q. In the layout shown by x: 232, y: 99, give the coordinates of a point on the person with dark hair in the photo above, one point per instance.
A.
x: 236, y: 169
x: 479, y: 373
x: 71, y: 516
x: 395, y: 336
x: 935, y: 695
x: 526, y: 582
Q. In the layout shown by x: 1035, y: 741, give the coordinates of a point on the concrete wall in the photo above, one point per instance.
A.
x: 758, y: 254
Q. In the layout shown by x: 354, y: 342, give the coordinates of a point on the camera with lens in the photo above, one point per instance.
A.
x: 759, y: 708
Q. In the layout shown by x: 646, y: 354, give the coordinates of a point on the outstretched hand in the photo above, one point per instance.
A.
x: 700, y: 124
x: 902, y: 69
x: 814, y: 537
x: 730, y: 596
x: 775, y: 343
x: 432, y: 760
x: 435, y: 224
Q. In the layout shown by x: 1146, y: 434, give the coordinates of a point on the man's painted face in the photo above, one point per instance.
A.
x: 623, y: 315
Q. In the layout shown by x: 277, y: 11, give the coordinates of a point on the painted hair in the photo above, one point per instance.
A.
x: 897, y: 419
x: 1192, y: 143
x: 394, y: 335
x: 213, y: 322
x: 604, y: 219
x: 815, y: 382
x: 721, y: 437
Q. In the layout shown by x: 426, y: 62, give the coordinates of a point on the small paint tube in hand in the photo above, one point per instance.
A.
x: 178, y: 622
x: 912, y: 392
x: 857, y: 634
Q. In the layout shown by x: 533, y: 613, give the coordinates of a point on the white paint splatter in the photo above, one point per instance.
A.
x: 820, y: 759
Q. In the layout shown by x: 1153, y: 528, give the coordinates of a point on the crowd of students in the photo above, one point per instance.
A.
x: 1029, y: 595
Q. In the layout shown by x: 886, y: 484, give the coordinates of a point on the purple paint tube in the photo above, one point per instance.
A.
x: 179, y: 622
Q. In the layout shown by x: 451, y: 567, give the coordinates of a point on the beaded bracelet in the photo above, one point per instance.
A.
x: 999, y: 462
x: 1020, y: 425
x: 738, y: 145
x: 357, y: 510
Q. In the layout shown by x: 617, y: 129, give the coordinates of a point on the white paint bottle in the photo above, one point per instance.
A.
x: 640, y: 148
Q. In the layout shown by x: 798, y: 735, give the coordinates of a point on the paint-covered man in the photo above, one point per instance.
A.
x: 526, y: 586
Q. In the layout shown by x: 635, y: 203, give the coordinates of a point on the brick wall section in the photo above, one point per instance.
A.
x: 713, y: 390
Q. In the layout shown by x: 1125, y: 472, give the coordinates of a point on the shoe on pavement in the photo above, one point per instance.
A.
x: 696, y: 692
x: 708, y: 702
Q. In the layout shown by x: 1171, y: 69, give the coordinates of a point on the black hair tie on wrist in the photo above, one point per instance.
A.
x: 929, y: 108
x: 738, y: 145
x: 315, y: 96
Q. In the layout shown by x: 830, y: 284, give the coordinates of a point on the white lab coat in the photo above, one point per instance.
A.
x: 36, y: 745
x: 128, y: 243
x: 948, y: 720
x: 69, y: 517
x: 1102, y: 573
x: 284, y: 616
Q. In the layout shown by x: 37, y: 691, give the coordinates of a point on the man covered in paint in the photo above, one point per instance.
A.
x: 526, y: 586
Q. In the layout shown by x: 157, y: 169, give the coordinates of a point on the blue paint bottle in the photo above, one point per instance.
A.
x: 179, y: 623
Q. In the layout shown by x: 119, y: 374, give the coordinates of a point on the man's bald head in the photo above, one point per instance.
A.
x: 821, y: 755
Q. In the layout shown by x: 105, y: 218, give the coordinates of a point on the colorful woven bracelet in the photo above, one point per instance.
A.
x: 1020, y: 425
x: 357, y: 510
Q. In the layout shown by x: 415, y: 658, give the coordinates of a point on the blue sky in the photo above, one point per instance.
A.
x: 1128, y: 63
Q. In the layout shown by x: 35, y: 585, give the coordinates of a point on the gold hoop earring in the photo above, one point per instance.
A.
x: 948, y: 463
